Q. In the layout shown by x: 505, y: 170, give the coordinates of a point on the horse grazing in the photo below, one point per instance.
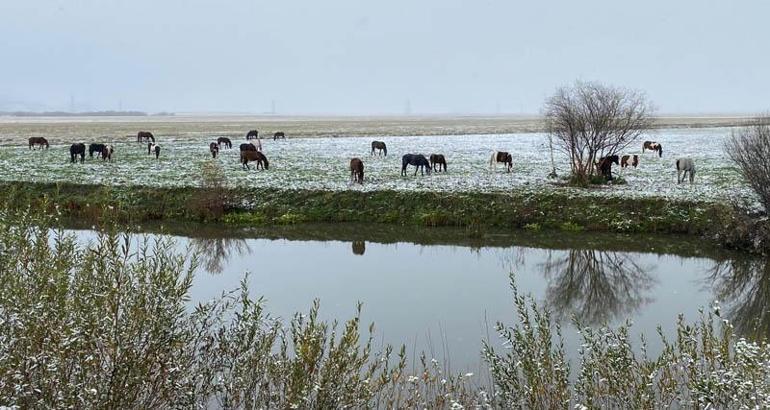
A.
x: 253, y: 134
x: 501, y: 157
x: 38, y: 141
x: 279, y: 134
x: 605, y: 165
x: 685, y: 165
x: 418, y: 160
x: 250, y: 146
x: 152, y: 148
x: 226, y: 141
x: 145, y: 136
x: 250, y: 156
x: 357, y: 170
x: 97, y: 148
x: 652, y: 146
x: 437, y: 159
x: 624, y: 161
x: 379, y: 145
x: 77, y: 149
x: 214, y: 148
x: 107, y: 152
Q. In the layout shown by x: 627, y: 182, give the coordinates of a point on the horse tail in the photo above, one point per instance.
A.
x: 492, y: 159
x: 660, y: 151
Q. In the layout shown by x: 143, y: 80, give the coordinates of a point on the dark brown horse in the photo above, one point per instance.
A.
x: 251, y: 156
x: 605, y: 165
x: 77, y: 149
x: 418, y: 160
x: 278, y: 135
x: 152, y: 148
x: 97, y: 148
x: 38, y: 141
x: 379, y: 145
x: 357, y: 170
x: 145, y: 136
x: 437, y: 161
x: 627, y: 160
x: 250, y: 146
x: 501, y: 157
x: 652, y: 146
x: 226, y: 141
x: 253, y: 134
x: 214, y: 148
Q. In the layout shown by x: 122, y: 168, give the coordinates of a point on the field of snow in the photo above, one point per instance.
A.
x: 322, y: 163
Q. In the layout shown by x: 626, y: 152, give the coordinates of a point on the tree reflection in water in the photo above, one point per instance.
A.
x: 595, y: 286
x: 359, y: 247
x: 214, y: 252
x: 743, y: 287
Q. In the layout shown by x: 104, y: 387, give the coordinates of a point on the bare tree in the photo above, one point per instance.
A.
x: 749, y: 148
x: 590, y: 120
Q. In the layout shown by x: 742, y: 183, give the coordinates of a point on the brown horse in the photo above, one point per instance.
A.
x: 437, y: 159
x: 357, y: 170
x: 145, y: 136
x: 605, y: 165
x: 226, y: 141
x: 253, y: 134
x: 278, y: 135
x: 250, y: 156
x: 379, y: 145
x: 38, y: 141
x: 214, y: 148
x: 627, y: 160
x: 652, y: 146
x: 501, y: 157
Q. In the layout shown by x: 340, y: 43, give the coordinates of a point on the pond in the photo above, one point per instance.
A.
x: 442, y: 290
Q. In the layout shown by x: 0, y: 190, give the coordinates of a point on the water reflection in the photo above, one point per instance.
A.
x: 595, y: 286
x: 215, y: 252
x: 743, y: 287
x: 359, y: 247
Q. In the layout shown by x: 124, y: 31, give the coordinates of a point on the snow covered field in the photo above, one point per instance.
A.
x: 322, y: 163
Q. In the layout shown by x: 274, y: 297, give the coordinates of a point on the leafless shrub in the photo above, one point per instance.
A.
x: 211, y: 202
x: 749, y: 148
x: 590, y: 120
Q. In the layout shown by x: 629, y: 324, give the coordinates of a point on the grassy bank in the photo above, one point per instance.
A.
x: 476, y: 212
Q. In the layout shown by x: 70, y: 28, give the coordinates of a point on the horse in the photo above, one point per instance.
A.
x: 214, y: 148
x: 226, y: 141
x: 418, y: 160
x: 652, y: 146
x: 624, y: 161
x: 359, y: 247
x: 145, y: 136
x: 77, y: 149
x: 685, y: 165
x: 97, y: 148
x: 501, y: 156
x: 152, y: 148
x: 257, y: 156
x: 107, y: 152
x: 38, y: 141
x: 279, y: 134
x: 379, y: 145
x: 437, y: 159
x: 253, y: 134
x: 250, y: 146
x: 605, y: 165
x: 357, y: 170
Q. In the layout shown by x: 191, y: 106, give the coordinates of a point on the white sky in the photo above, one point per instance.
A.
x: 366, y: 57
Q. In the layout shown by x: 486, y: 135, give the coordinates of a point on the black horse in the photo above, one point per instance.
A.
x: 226, y: 141
x: 418, y: 160
x: 605, y: 165
x: 145, y: 136
x: 214, y: 148
x: 279, y: 134
x: 437, y: 161
x: 253, y: 134
x: 97, y: 148
x: 77, y: 149
x: 247, y: 146
x: 379, y: 145
x: 42, y: 142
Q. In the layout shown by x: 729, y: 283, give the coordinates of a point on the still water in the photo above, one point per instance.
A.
x: 443, y: 296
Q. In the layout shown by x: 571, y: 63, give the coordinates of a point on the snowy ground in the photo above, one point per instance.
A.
x: 322, y: 163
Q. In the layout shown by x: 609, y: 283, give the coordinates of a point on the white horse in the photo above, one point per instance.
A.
x: 684, y: 165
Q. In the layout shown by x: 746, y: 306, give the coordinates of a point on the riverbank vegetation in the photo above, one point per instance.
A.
x: 108, y: 324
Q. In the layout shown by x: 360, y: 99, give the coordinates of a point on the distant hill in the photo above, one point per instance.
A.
x: 75, y: 114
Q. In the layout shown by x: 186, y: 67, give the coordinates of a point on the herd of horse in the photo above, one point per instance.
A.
x: 251, y: 151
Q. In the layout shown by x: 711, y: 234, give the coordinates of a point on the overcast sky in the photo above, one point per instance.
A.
x: 366, y: 57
